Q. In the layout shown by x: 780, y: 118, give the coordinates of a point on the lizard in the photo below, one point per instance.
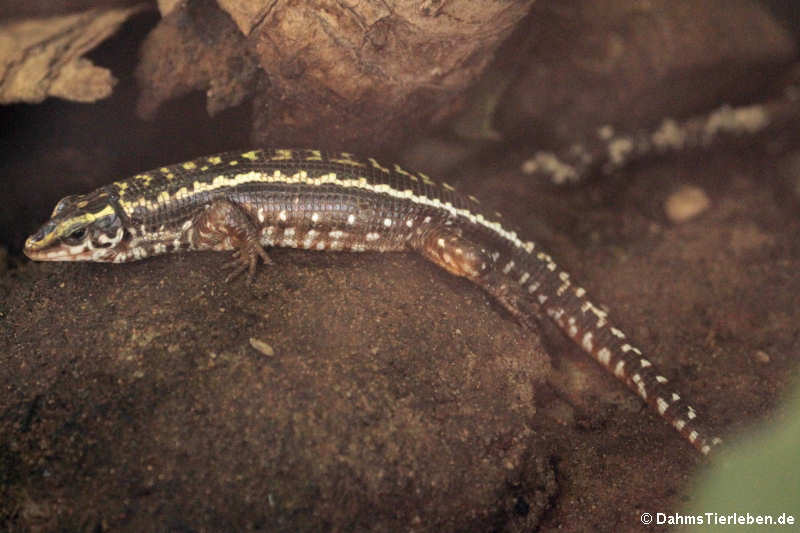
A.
x: 245, y: 202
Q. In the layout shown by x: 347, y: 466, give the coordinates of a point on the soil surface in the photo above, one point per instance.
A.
x: 376, y: 392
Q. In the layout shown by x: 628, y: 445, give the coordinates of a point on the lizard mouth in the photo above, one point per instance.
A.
x: 63, y: 252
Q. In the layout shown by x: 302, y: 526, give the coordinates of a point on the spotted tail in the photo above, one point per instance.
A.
x: 539, y: 281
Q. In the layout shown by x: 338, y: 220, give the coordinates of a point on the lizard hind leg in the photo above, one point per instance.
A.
x: 447, y: 248
x: 223, y: 225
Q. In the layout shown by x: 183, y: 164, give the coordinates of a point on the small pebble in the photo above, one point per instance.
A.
x: 686, y: 203
x: 761, y: 357
x: 261, y: 346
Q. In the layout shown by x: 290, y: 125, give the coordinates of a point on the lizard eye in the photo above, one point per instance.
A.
x: 76, y: 236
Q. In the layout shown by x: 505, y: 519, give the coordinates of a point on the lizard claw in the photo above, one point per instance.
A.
x: 246, y: 258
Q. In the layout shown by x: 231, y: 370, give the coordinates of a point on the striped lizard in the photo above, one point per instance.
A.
x: 301, y: 198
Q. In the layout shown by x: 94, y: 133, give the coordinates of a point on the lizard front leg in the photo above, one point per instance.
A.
x: 223, y: 225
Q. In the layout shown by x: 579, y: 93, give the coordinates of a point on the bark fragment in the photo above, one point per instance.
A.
x: 43, y: 57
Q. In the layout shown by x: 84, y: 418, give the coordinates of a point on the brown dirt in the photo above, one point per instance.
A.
x: 134, y: 396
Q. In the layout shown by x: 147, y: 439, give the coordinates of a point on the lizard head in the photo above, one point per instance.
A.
x: 82, y: 228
